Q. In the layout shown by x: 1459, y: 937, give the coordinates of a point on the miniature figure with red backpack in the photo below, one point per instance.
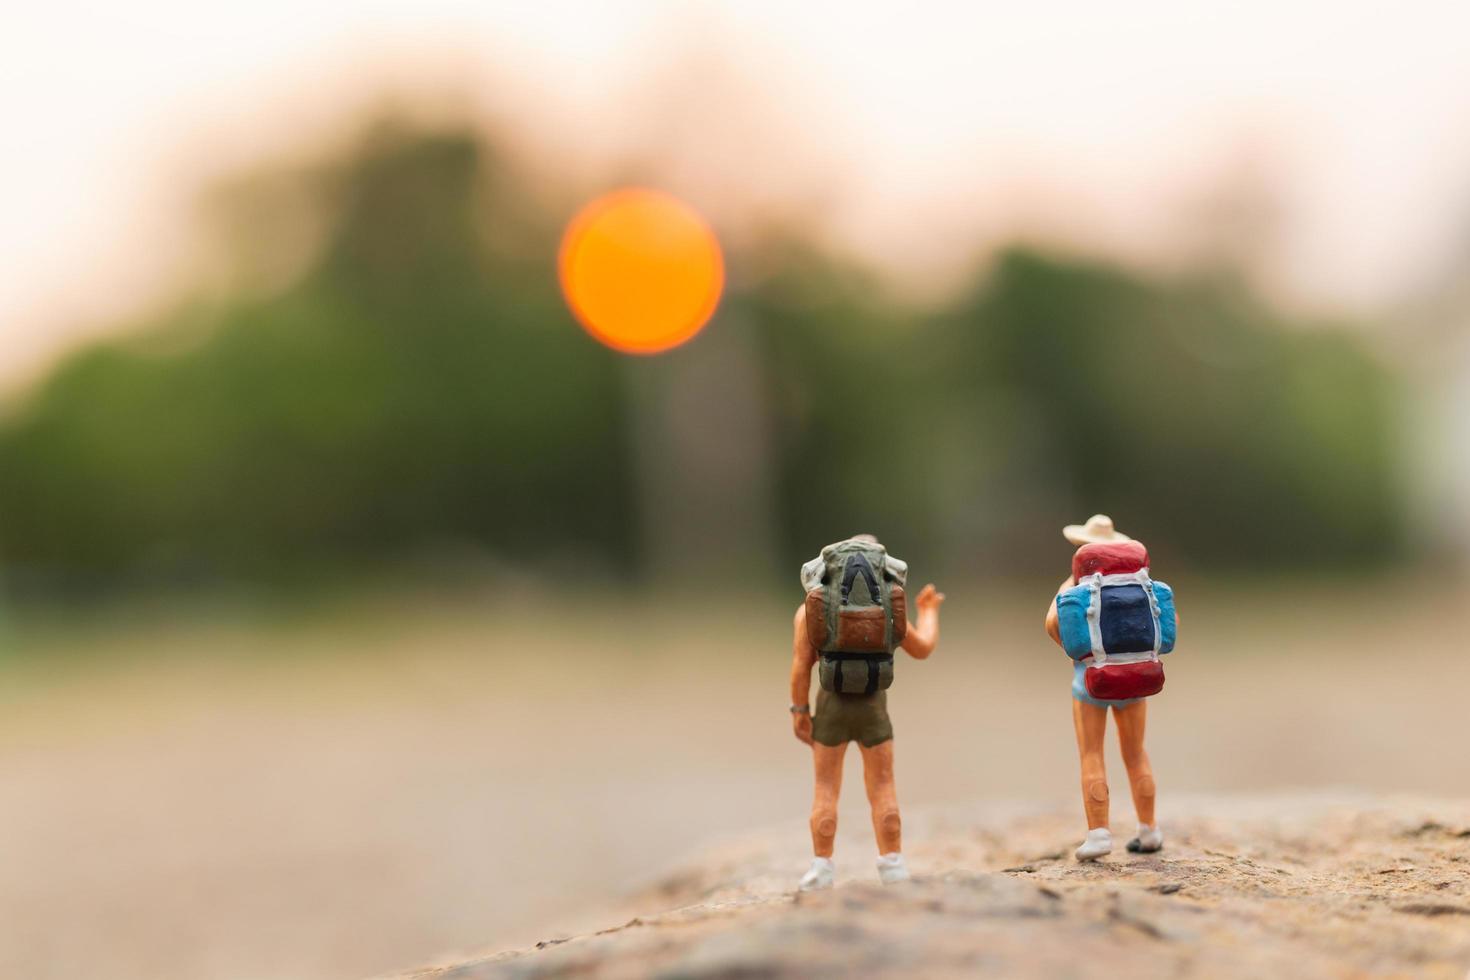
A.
x: 1114, y: 621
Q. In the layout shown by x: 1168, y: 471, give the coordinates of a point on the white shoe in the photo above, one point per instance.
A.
x: 1098, y: 843
x: 891, y: 868
x: 819, y: 875
x: 1149, y: 839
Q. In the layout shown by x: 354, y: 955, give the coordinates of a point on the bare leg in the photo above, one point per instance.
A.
x: 828, y: 759
x: 1131, y: 720
x: 1091, y: 723
x: 883, y: 796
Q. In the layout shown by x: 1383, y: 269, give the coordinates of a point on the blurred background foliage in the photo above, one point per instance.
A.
x: 418, y: 393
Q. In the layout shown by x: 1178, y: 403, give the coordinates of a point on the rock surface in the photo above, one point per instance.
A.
x: 1273, y: 887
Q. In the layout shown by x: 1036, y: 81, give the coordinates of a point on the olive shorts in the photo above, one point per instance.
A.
x: 843, y: 718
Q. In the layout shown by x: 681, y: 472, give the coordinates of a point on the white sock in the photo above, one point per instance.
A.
x: 891, y: 868
x: 1099, y: 842
x: 1149, y: 839
x: 819, y: 875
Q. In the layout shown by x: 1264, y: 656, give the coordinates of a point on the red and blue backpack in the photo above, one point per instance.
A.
x: 1117, y: 620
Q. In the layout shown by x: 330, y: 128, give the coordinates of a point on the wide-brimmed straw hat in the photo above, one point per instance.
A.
x: 1098, y: 530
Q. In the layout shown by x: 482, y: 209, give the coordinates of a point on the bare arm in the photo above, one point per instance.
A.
x: 803, y: 658
x: 1053, y: 629
x: 923, y: 636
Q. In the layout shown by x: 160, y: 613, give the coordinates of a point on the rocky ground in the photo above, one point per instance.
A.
x: 1271, y: 887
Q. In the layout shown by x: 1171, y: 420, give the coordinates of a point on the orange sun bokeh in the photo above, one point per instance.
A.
x: 641, y: 270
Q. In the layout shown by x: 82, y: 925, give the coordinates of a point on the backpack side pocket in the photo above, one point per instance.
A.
x: 1072, y: 624
x: 816, y: 617
x: 1168, y: 620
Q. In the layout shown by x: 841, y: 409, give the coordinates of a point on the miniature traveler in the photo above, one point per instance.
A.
x: 853, y: 618
x: 1114, y: 622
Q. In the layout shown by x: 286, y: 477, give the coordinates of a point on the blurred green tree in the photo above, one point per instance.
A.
x: 1190, y: 413
x: 416, y: 387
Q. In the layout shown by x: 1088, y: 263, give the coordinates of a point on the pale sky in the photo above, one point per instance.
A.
x: 915, y: 137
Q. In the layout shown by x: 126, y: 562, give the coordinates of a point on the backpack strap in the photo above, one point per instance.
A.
x: 858, y: 564
x: 1153, y: 605
x: 872, y: 661
x: 1094, y: 583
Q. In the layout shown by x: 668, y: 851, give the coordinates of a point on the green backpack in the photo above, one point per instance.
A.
x: 855, y: 615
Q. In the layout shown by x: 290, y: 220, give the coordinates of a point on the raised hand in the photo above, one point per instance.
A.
x: 929, y: 598
x: 924, y: 633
